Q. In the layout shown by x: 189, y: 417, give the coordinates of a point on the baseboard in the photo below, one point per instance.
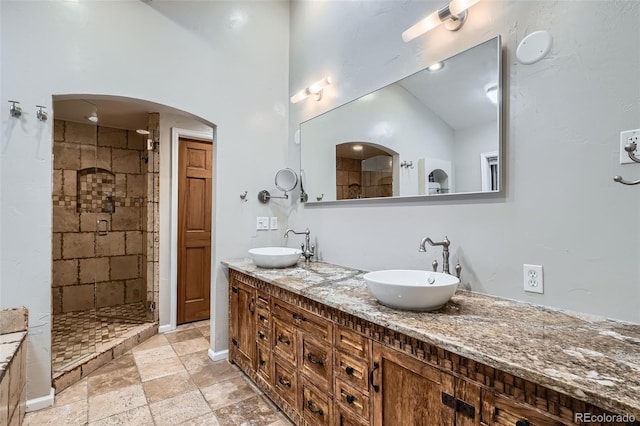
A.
x: 36, y: 404
x: 165, y: 328
x: 217, y: 356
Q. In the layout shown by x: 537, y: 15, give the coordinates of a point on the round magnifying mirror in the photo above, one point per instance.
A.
x: 286, y: 180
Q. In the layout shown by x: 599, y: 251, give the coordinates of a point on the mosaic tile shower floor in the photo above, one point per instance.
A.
x: 78, y: 335
x: 167, y: 380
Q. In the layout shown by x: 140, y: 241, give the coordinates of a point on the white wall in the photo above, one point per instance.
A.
x: 223, y: 61
x: 563, y: 115
x: 468, y: 144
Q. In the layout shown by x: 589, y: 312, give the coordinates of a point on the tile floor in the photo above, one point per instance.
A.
x: 167, y: 380
x: 77, y: 335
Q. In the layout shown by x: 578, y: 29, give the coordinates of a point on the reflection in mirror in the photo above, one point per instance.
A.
x: 431, y: 133
x: 364, y: 170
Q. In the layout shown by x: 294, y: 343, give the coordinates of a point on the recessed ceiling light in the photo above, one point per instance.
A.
x: 142, y: 132
x: 357, y: 147
x: 436, y: 67
x: 93, y: 117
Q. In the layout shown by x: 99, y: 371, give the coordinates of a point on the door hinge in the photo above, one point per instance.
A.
x: 459, y: 406
x: 234, y: 342
x: 234, y: 289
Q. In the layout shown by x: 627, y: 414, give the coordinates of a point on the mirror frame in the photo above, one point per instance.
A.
x: 436, y: 197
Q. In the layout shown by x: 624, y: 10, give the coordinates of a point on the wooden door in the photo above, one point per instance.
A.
x: 409, y: 392
x: 194, y: 230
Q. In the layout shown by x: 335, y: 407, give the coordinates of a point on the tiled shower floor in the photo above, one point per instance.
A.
x: 78, y: 336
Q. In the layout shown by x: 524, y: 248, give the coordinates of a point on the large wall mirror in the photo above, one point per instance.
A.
x: 434, y: 133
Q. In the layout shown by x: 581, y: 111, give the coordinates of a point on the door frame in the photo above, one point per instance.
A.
x: 176, y: 134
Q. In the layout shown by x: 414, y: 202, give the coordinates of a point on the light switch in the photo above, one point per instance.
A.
x: 262, y: 223
x: 274, y: 222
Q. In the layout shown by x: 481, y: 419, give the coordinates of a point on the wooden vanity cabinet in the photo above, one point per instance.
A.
x: 324, y: 367
x: 242, y: 323
x: 412, y: 392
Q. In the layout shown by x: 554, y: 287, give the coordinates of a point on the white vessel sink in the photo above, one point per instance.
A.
x: 275, y: 257
x: 411, y: 289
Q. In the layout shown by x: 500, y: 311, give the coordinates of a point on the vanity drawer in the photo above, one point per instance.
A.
x: 343, y: 417
x: 317, y: 362
x: 352, y: 400
x: 311, y: 323
x: 263, y: 316
x: 262, y: 300
x: 285, y: 382
x: 264, y: 363
x: 263, y: 336
x: 352, y: 370
x: 284, y: 341
x: 317, y: 407
x: 352, y: 343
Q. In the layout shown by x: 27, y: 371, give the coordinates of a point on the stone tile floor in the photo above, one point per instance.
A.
x: 77, y: 335
x: 167, y: 380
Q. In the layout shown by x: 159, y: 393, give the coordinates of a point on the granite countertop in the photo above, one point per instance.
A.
x: 591, y: 358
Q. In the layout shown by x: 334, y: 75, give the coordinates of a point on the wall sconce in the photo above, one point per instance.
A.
x: 315, y: 89
x: 452, y: 15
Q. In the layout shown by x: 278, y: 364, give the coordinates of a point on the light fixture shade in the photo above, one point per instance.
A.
x: 458, y: 6
x: 313, y: 89
x: 421, y: 27
x: 319, y: 85
x: 301, y: 95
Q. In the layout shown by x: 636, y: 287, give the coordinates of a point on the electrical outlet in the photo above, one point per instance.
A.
x: 262, y: 223
x: 274, y: 222
x: 533, y: 279
x: 626, y: 137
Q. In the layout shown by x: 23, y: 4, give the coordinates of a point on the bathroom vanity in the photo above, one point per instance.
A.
x: 321, y: 347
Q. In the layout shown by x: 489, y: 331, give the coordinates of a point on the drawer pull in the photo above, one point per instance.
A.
x: 263, y: 362
x: 284, y: 340
x: 314, y: 410
x: 298, y: 317
x: 350, y: 399
x: 262, y: 317
x: 261, y: 335
x: 314, y: 360
x: 252, y: 306
x: 373, y: 385
x: 349, y: 370
x: 522, y: 423
x: 284, y: 382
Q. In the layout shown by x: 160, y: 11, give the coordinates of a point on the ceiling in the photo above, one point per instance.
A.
x: 113, y: 111
x: 368, y: 150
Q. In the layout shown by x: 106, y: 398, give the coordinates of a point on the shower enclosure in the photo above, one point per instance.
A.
x: 105, y: 210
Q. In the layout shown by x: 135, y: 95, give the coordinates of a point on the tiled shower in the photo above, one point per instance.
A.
x: 105, y: 223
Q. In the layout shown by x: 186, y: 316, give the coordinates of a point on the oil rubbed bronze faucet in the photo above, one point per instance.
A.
x: 445, y: 254
x: 308, y: 250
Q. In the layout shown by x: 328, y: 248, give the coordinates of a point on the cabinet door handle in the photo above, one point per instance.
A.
x: 298, y: 317
x: 314, y: 360
x: 314, y: 410
x: 284, y: 340
x: 261, y: 335
x: 262, y: 317
x: 284, y: 382
x: 263, y: 362
x: 373, y: 385
x: 350, y: 399
x: 251, y: 306
x: 349, y: 370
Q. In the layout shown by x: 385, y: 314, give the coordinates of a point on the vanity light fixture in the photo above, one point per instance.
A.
x: 436, y: 67
x: 452, y: 15
x: 314, y: 89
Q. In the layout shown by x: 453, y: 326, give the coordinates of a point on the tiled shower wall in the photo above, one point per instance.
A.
x: 150, y: 211
x: 348, y: 178
x: 90, y: 270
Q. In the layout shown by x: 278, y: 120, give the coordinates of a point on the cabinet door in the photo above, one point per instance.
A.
x: 245, y: 321
x: 407, y: 391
